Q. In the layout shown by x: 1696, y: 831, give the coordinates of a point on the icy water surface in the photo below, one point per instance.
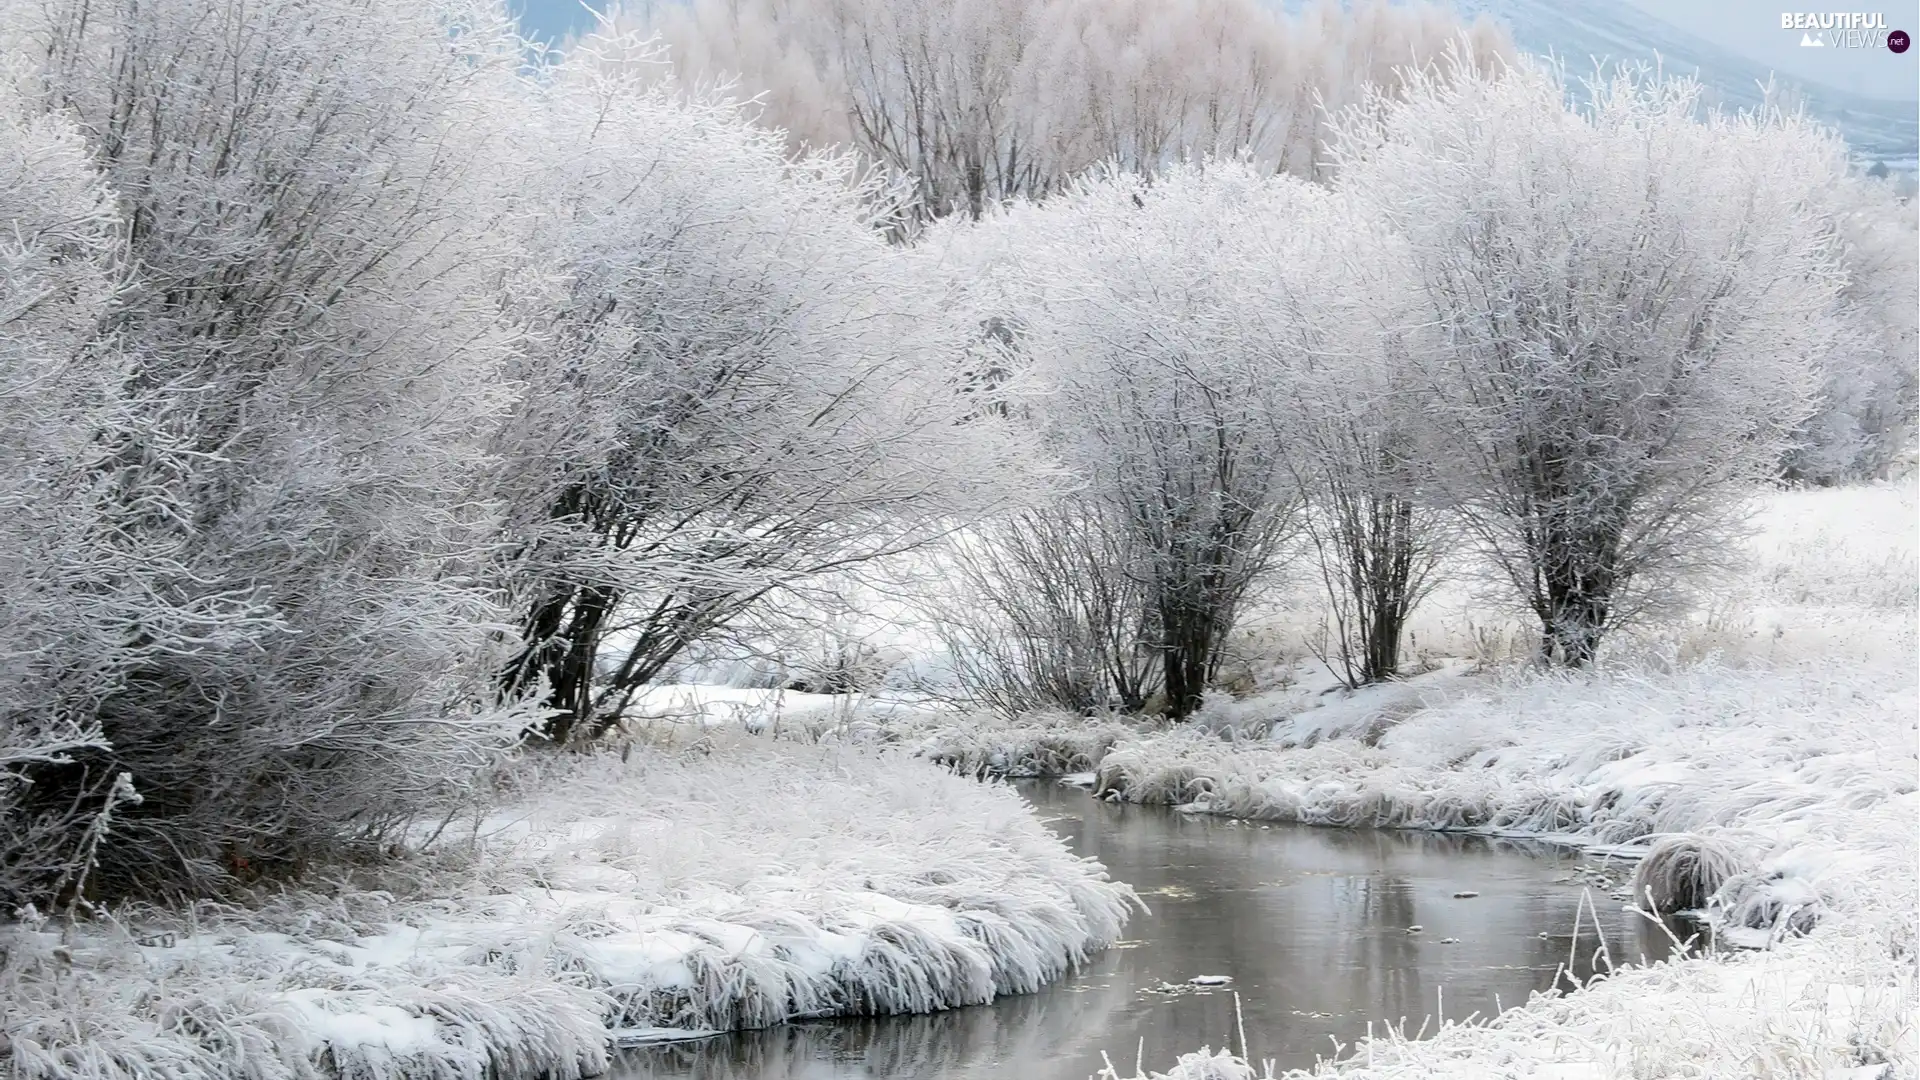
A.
x: 1311, y: 924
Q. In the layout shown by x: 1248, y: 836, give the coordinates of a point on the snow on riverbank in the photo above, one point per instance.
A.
x: 1779, y: 727
x: 1838, y: 1004
x: 1054, y: 744
x: 1808, y: 778
x: 1827, y: 1007
x: 728, y: 888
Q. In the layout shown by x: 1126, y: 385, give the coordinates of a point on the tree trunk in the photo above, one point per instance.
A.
x: 1185, y: 680
x: 1571, y: 634
x: 1577, y: 582
x: 1186, y: 656
x: 1391, y: 584
x: 563, y: 640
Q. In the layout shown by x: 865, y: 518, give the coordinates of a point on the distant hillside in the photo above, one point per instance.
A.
x: 1877, y: 129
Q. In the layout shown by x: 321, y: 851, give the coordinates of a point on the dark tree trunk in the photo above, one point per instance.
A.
x: 1577, y: 581
x: 1198, y: 588
x: 563, y: 639
x: 540, y: 632
x: 1185, y: 675
x: 1570, y: 636
x: 1390, y: 587
x: 1131, y: 679
x: 1191, y: 622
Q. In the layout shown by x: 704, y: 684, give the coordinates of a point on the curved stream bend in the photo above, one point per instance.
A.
x: 1314, y: 927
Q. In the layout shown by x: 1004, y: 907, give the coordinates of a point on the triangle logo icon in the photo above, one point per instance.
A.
x: 1808, y: 41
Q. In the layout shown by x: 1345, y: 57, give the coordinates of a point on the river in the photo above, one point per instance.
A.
x: 1314, y: 926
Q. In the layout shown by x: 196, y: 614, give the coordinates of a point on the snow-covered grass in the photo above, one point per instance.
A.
x: 1763, y: 754
x: 610, y: 897
x: 976, y: 744
x: 1789, y: 765
x: 1048, y: 744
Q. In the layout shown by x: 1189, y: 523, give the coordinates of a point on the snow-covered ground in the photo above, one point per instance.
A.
x: 639, y: 896
x: 1778, y: 728
x: 757, y: 855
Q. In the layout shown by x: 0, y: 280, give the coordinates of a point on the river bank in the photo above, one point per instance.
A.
x: 1804, y: 781
x: 1777, y: 734
x: 601, y: 899
x: 1302, y: 935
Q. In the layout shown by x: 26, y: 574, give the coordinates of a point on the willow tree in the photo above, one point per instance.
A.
x: 1158, y: 387
x: 1631, y: 296
x: 977, y: 102
x: 306, y: 351
x: 741, y: 387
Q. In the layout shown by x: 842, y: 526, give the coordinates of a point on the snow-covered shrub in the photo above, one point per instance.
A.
x: 1032, y: 744
x: 1682, y: 873
x: 1618, y: 365
x: 313, y: 351
x: 1170, y: 770
x: 1866, y: 419
x: 1769, y: 901
x: 63, y: 581
x: 740, y: 386
x: 1147, y: 310
x: 1051, y: 613
x: 1355, y: 442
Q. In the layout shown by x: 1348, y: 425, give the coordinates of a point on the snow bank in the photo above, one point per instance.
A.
x: 1046, y: 744
x: 718, y: 889
x: 1792, y: 767
x: 1762, y: 754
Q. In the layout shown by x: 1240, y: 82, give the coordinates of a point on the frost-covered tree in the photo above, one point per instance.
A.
x: 743, y: 386
x: 1345, y: 310
x: 1157, y: 383
x: 1871, y: 385
x: 62, y: 581
x: 1051, y: 612
x: 981, y: 101
x: 312, y: 347
x: 1632, y: 300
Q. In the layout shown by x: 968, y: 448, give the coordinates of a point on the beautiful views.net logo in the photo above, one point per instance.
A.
x: 1843, y: 30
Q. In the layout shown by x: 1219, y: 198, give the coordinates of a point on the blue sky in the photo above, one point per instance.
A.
x: 550, y: 20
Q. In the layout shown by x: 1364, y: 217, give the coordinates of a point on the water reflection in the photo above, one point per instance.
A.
x: 1313, y: 925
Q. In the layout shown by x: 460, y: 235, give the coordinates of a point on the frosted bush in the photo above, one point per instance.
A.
x: 277, y: 623
x: 1683, y: 873
x: 1038, y: 744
